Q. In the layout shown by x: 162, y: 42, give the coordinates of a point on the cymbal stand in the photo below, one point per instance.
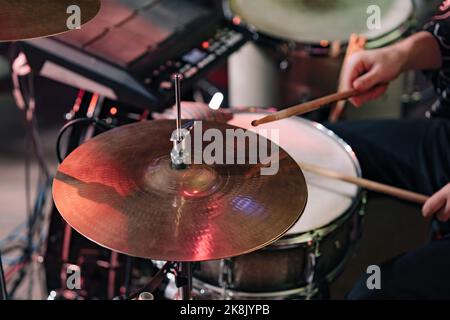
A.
x: 3, y: 291
x: 184, y: 280
x: 179, y: 155
x: 154, y: 284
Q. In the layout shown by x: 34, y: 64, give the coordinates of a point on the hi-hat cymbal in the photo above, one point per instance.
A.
x: 119, y: 190
x: 25, y: 19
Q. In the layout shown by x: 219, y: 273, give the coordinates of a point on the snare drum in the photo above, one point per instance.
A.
x: 305, y: 40
x: 315, y: 250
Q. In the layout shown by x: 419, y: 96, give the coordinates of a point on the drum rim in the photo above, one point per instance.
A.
x: 403, y: 26
x: 298, y: 238
x: 321, y: 232
x: 303, y: 291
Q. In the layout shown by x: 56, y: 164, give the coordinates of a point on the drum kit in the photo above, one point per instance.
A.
x: 124, y: 190
x: 249, y: 236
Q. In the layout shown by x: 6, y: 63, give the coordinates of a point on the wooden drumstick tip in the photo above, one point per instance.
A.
x: 255, y: 123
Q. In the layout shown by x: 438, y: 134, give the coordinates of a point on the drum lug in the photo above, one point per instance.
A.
x: 356, y: 233
x: 284, y: 65
x: 284, y: 52
x: 314, y: 244
x: 362, y: 208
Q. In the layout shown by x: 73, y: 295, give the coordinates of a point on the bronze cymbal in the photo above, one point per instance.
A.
x: 25, y: 19
x: 119, y: 190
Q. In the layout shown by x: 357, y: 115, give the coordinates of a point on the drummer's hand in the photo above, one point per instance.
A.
x: 366, y: 69
x: 439, y: 205
x: 195, y: 111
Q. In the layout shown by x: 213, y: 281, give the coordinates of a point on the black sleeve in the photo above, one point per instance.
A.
x: 439, y: 27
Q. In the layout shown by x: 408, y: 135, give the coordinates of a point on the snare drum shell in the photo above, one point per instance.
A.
x: 277, y: 269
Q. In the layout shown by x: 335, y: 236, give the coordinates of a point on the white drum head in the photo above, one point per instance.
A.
x: 311, y: 143
x: 310, y: 21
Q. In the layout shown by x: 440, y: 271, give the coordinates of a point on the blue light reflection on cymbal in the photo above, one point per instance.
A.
x: 248, y: 206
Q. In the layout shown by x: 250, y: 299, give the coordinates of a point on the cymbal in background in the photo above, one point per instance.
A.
x: 28, y: 19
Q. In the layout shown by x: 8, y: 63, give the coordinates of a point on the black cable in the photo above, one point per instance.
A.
x: 24, y: 89
x: 99, y: 123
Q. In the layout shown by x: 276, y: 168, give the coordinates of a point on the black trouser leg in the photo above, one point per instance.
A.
x: 415, y: 155
x: 423, y: 273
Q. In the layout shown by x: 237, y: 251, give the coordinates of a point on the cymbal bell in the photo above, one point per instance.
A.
x: 119, y: 190
x: 25, y: 19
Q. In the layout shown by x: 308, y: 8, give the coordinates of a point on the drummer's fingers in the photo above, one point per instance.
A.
x: 443, y: 215
x: 368, y: 96
x: 436, y: 203
x: 352, y: 69
x: 368, y: 80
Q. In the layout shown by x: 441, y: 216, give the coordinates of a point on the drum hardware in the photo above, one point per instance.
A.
x: 22, y: 20
x: 146, y: 296
x: 357, y: 231
x: 313, y: 256
x: 225, y: 276
x: 310, y: 270
x: 179, y: 154
x: 310, y: 274
x: 184, y: 280
x: 3, y: 291
x: 205, y: 291
x: 182, y: 274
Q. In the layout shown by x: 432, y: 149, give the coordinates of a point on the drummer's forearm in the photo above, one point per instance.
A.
x: 421, y: 52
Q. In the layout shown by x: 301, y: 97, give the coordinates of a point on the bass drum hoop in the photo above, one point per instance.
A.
x: 403, y: 29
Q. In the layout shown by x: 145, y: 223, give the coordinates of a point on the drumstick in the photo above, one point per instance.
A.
x: 367, y: 184
x: 306, y: 107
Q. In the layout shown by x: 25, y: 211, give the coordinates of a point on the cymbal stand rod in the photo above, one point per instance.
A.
x: 186, y: 275
x: 179, y: 153
x: 177, y: 78
x: 3, y: 291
